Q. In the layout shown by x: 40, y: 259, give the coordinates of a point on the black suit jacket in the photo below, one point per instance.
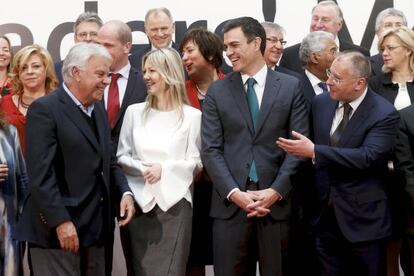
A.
x: 382, y: 84
x: 229, y: 142
x: 353, y: 173
x: 290, y: 58
x: 136, y: 92
x: 136, y: 58
x: 58, y: 70
x: 376, y: 64
x: 71, y: 171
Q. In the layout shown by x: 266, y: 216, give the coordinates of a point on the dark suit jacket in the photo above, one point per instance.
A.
x: 229, y: 143
x: 404, y: 151
x: 71, y: 171
x: 382, y: 84
x: 136, y: 58
x: 58, y: 70
x: 376, y: 64
x: 290, y: 58
x: 352, y: 173
x: 136, y: 92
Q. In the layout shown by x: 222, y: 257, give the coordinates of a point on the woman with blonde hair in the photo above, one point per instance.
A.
x: 159, y: 151
x: 33, y: 76
x: 396, y: 84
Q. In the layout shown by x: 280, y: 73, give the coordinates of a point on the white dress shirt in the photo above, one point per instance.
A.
x: 403, y: 98
x: 160, y: 138
x: 314, y: 80
x: 122, y: 84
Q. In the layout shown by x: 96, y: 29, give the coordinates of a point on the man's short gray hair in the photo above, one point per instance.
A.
x: 158, y: 10
x: 79, y: 56
x: 386, y: 13
x: 273, y: 26
x: 314, y: 42
x: 91, y: 17
x: 338, y: 10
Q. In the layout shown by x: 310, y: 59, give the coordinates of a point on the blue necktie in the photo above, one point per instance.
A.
x: 254, y: 112
x: 323, y: 86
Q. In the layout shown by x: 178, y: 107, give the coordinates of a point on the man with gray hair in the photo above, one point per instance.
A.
x: 386, y: 19
x: 85, y: 29
x: 316, y: 53
x: 73, y: 173
x: 159, y: 28
x: 328, y: 17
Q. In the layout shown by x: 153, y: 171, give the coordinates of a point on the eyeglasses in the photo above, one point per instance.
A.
x: 84, y: 35
x: 389, y: 48
x: 274, y: 41
x: 335, y: 80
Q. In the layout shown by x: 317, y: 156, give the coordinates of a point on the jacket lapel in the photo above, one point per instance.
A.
x: 326, y: 121
x: 74, y: 114
x: 271, y: 90
x: 239, y: 95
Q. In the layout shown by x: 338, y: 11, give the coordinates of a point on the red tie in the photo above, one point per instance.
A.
x: 113, y: 99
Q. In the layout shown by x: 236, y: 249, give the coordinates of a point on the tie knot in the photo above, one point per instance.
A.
x: 347, y: 109
x: 115, y: 76
x: 323, y: 86
x: 250, y: 82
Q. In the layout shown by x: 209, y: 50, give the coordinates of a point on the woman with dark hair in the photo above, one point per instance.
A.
x: 13, y: 186
x: 33, y: 76
x: 6, y: 57
x: 202, y: 56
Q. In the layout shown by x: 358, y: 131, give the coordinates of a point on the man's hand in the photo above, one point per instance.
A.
x: 4, y: 171
x: 302, y: 147
x: 261, y: 207
x: 153, y: 172
x: 127, y: 210
x: 68, y: 237
x: 243, y: 199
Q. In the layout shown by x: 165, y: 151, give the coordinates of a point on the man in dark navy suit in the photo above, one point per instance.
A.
x: 326, y: 16
x: 129, y: 88
x: 159, y: 28
x: 354, y: 131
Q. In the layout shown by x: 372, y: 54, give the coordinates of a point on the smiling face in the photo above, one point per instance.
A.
x: 159, y: 29
x: 243, y: 54
x: 86, y: 32
x: 89, y: 84
x: 274, y: 46
x: 193, y: 61
x: 5, y: 53
x: 325, y: 18
x: 153, y: 79
x: 33, y: 73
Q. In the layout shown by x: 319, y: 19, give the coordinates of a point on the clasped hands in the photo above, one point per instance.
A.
x: 255, y: 203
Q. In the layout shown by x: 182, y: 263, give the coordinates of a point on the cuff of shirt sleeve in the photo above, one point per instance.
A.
x: 127, y: 193
x: 231, y: 192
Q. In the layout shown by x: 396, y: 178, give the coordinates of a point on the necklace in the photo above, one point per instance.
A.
x: 200, y: 92
x: 22, y: 103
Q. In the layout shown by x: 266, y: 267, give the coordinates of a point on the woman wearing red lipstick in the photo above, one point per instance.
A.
x: 202, y: 56
x: 33, y: 76
x: 396, y: 85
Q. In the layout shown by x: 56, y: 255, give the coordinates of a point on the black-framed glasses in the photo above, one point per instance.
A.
x: 274, y: 41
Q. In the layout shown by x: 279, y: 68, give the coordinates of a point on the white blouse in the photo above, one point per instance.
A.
x: 161, y: 138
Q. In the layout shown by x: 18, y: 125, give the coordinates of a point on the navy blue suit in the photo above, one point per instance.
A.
x: 229, y: 145
x: 350, y: 176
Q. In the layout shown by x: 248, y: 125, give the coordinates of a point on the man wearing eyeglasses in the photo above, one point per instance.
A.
x: 354, y: 130
x: 159, y: 28
x: 85, y: 29
x: 326, y: 16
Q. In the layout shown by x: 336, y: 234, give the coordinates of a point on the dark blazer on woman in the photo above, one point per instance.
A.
x: 382, y: 84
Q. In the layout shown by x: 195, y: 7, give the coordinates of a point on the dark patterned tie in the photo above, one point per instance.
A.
x: 342, y: 125
x: 254, y: 112
x: 323, y: 86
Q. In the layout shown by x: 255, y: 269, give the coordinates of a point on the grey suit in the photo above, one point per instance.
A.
x: 230, y: 144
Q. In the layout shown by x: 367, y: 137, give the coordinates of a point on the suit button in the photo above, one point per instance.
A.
x: 101, y: 199
x: 247, y: 165
x: 102, y: 173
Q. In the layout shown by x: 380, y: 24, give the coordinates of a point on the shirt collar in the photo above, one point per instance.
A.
x: 155, y: 48
x: 87, y: 110
x: 124, y: 71
x: 260, y: 76
x: 355, y: 103
x: 314, y: 80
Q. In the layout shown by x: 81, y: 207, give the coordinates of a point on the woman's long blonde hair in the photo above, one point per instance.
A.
x: 168, y: 64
